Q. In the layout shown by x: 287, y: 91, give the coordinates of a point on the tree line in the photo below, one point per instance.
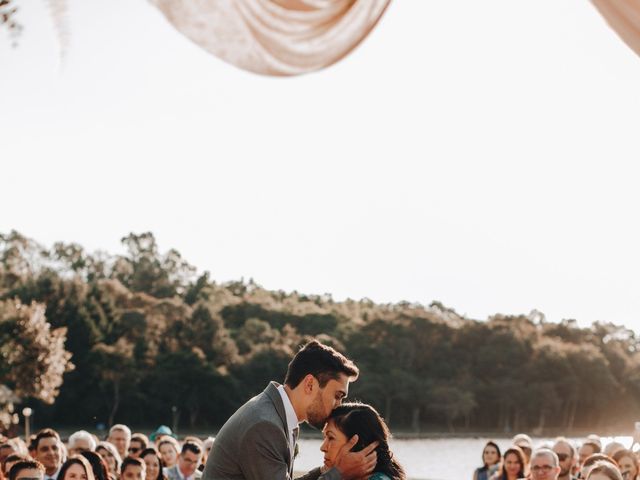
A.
x: 89, y: 338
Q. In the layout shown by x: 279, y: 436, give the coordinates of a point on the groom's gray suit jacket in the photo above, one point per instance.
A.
x: 254, y: 444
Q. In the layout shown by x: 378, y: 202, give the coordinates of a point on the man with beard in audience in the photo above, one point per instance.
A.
x: 588, y: 448
x: 567, y: 457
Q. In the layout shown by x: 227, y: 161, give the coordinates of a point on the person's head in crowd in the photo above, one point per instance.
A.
x: 81, y: 441
x: 604, y: 471
x: 566, y: 455
x: 592, y: 437
x: 10, y: 461
x: 132, y: 469
x: 26, y: 470
x: 76, y: 468
x: 169, y: 450
x: 110, y: 455
x: 628, y: 463
x: 47, y: 448
x: 138, y: 443
x: 31, y: 451
x: 20, y: 446
x: 611, y: 448
x: 588, y: 448
x: 513, y: 464
x: 360, y: 419
x: 6, y: 448
x: 207, y: 444
x: 160, y: 434
x: 98, y: 465
x: 189, y: 459
x: 491, y: 454
x: 523, y: 441
x: 592, y: 460
x: 544, y: 464
x: 317, y: 380
x: 153, y: 464
x: 120, y: 436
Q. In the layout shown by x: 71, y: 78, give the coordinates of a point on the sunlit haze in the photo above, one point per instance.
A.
x: 482, y: 154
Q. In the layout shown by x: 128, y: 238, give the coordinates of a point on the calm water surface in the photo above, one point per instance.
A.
x: 430, y: 459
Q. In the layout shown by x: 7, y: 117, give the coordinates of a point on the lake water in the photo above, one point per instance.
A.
x: 431, y: 459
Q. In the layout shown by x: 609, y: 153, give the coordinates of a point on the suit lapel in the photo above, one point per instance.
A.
x: 274, y: 395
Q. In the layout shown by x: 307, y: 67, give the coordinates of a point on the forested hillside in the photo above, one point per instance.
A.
x: 147, y: 332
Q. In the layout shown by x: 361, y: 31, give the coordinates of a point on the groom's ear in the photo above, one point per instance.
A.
x: 309, y: 383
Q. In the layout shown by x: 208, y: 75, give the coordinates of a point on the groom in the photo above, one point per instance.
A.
x: 258, y: 441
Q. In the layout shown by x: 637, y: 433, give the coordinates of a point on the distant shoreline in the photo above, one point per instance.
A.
x: 308, y: 433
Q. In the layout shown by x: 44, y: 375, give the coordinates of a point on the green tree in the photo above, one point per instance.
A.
x: 144, y: 269
x: 115, y: 366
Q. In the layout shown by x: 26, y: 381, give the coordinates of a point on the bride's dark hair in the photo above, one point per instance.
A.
x: 362, y: 419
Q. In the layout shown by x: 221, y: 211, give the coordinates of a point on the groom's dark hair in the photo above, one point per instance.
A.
x: 321, y: 361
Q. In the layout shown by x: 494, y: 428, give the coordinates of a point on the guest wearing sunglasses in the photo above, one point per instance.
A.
x: 138, y: 443
x: 567, y: 457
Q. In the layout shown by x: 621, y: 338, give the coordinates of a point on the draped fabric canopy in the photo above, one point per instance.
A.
x: 291, y: 37
x: 275, y: 37
x: 624, y: 18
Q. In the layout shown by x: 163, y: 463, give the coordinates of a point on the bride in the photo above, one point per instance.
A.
x: 360, y: 419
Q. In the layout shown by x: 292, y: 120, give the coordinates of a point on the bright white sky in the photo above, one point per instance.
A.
x: 482, y: 154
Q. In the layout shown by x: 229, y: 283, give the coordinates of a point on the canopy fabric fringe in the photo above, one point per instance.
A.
x: 275, y: 37
x: 624, y: 17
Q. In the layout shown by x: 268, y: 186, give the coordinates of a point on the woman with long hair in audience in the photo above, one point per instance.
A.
x: 628, y: 464
x: 111, y: 456
x: 490, y: 461
x: 152, y: 460
x: 351, y: 419
x: 513, y: 465
x: 76, y: 468
x: 98, y: 465
x: 169, y: 449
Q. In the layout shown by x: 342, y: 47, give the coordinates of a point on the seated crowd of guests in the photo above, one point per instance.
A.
x: 561, y: 459
x: 122, y: 456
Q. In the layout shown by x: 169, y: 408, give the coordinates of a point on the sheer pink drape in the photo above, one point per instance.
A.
x: 291, y: 37
x: 275, y: 37
x: 624, y: 18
